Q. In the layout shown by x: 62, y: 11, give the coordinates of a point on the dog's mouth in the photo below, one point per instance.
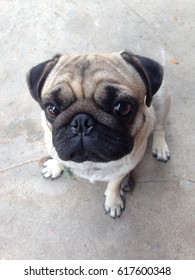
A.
x: 81, y: 153
x: 88, y: 150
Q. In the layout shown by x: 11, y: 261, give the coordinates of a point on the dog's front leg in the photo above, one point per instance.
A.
x: 114, y: 202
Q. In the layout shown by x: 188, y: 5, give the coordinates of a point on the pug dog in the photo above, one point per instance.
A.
x: 98, y: 111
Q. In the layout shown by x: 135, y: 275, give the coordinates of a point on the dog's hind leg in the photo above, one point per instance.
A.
x: 161, y: 103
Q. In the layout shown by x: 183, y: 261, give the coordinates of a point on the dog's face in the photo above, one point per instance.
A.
x: 95, y: 104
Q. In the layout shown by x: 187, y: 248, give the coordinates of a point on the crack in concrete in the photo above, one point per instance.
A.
x: 152, y: 181
x: 165, y: 181
x: 20, y: 164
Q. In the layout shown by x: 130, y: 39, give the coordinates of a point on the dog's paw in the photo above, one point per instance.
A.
x: 160, y: 149
x: 52, y: 169
x: 114, y: 204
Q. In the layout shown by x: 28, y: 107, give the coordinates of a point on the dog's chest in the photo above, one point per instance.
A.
x: 95, y: 171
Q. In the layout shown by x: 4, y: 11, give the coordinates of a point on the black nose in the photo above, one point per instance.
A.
x: 82, y: 124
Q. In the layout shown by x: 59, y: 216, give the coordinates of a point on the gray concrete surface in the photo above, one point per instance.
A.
x: 64, y: 219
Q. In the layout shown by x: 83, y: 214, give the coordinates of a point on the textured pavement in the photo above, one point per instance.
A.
x: 64, y: 218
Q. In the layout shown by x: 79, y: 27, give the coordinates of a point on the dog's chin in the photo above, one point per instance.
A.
x: 83, y: 156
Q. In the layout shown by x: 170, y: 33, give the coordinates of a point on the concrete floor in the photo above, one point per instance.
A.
x: 64, y: 219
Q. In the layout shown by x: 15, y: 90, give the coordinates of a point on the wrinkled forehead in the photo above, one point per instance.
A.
x: 86, y: 73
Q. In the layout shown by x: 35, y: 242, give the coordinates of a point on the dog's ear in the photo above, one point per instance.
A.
x: 150, y: 71
x: 37, y: 76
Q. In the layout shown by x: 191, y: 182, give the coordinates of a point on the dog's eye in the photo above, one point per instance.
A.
x: 52, y: 111
x: 122, y: 109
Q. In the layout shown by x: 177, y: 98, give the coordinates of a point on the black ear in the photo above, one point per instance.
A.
x: 37, y: 76
x: 150, y: 71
